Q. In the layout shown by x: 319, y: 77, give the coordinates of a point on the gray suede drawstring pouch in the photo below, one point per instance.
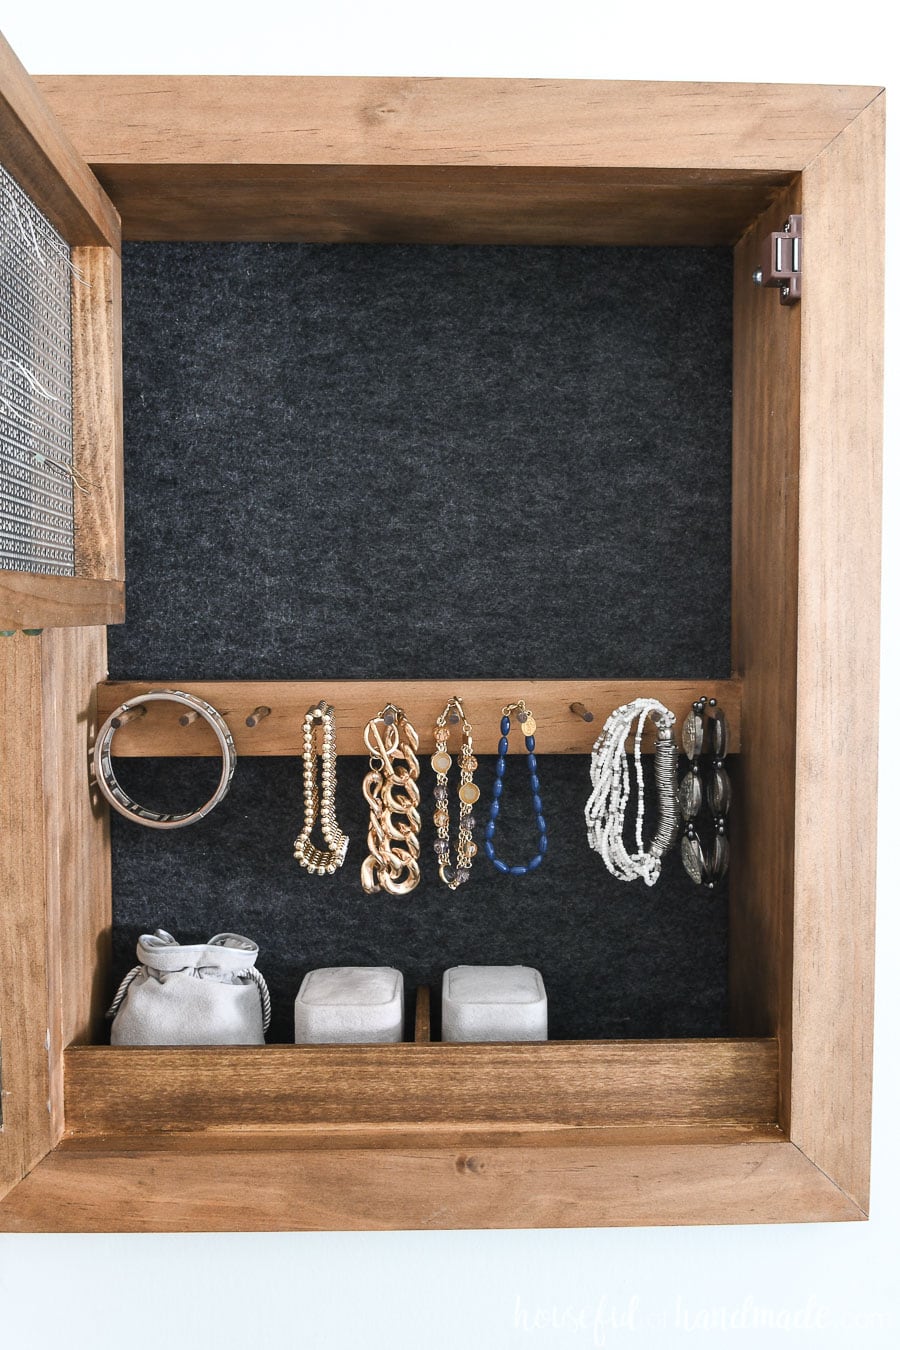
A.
x: 204, y: 994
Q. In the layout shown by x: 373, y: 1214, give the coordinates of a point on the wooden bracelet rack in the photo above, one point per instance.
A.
x: 273, y: 727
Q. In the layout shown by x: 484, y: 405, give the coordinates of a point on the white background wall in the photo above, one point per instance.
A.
x: 813, y: 1285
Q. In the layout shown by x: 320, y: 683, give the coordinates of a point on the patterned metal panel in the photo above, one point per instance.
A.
x: 37, y: 516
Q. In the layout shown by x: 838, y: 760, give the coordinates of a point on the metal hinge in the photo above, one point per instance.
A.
x: 782, y: 261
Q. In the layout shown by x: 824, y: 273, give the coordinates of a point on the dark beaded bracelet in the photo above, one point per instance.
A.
x: 705, y: 726
x: 528, y: 727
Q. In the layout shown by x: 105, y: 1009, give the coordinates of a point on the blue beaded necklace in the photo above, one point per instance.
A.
x: 528, y: 727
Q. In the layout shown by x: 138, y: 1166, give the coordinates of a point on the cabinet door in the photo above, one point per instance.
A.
x: 61, y: 535
x: 61, y: 570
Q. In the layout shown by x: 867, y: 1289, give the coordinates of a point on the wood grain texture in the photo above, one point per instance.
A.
x: 78, y: 874
x: 444, y: 160
x: 427, y: 204
x: 559, y: 730
x: 110, y: 1090
x: 43, y: 161
x: 766, y: 440
x: 164, y: 119
x: 422, y: 1031
x: 24, y: 1090
x: 33, y: 600
x: 97, y: 409
x: 382, y: 1137
x: 745, y: 1179
x: 837, y: 652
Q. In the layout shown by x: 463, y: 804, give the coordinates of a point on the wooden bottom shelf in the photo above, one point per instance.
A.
x: 422, y: 1136
x: 116, y: 1090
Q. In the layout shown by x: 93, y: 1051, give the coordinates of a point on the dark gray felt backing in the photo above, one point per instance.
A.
x: 362, y: 461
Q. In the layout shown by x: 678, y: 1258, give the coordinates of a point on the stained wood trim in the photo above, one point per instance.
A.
x: 766, y: 450
x: 422, y: 1029
x: 112, y: 1090
x: 256, y: 120
x: 97, y: 408
x: 428, y: 204
x: 445, y: 160
x: 78, y: 871
x: 837, y: 652
x: 560, y: 731
x: 33, y: 600
x: 386, y: 1136
x: 45, y: 164
x: 25, y: 1135
x: 746, y: 1178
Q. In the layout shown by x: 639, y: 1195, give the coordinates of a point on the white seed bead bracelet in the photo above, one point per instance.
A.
x: 605, y: 810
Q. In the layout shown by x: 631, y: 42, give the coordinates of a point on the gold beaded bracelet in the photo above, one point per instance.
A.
x: 328, y: 860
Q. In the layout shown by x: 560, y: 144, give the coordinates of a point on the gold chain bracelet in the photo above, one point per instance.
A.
x: 442, y: 763
x: 316, y: 860
x: 391, y: 790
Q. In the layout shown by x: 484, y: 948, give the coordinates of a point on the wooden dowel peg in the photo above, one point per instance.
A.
x: 187, y: 717
x: 130, y: 715
x: 581, y: 711
x: 257, y: 715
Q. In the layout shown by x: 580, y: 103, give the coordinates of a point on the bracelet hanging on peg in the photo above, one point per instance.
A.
x: 392, y: 793
x: 705, y: 734
x: 605, y: 812
x: 320, y: 802
x: 468, y: 794
x: 119, y: 799
x: 528, y: 726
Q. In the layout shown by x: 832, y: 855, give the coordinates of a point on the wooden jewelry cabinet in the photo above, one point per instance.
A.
x: 769, y: 1124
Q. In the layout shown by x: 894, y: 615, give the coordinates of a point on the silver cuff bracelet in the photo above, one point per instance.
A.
x: 120, y: 801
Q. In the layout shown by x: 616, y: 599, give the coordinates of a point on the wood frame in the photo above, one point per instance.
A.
x: 770, y: 1127
x: 42, y: 159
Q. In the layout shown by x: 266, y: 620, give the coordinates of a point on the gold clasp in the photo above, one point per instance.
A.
x: 519, y: 706
x: 527, y: 724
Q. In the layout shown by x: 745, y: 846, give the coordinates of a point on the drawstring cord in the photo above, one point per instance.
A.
x: 264, y: 996
x: 122, y: 991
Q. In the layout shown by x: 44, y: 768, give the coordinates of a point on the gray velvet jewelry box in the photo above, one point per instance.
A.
x: 493, y: 1003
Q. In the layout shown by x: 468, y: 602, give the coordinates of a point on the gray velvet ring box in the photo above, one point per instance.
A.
x: 353, y: 1005
x: 493, y: 1003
